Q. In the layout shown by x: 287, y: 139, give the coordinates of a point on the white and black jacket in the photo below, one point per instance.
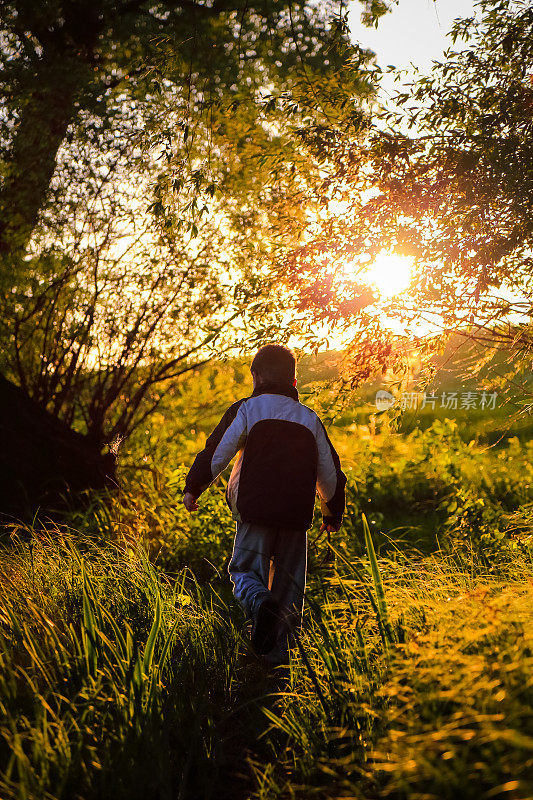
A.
x: 284, y: 456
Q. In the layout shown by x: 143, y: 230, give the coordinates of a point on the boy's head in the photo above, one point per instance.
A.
x: 274, y: 363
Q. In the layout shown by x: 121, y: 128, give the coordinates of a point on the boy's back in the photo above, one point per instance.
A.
x: 283, y: 453
x: 284, y: 457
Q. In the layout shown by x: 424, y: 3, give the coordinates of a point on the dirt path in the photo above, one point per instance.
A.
x: 240, y: 735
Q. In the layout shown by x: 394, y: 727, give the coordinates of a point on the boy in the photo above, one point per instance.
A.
x: 284, y: 456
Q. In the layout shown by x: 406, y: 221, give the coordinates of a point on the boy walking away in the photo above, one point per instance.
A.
x: 284, y: 456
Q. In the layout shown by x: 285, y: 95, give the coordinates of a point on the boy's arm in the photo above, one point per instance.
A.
x: 331, y: 481
x: 222, y: 444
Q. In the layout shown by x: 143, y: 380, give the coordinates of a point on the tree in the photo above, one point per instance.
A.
x: 150, y: 180
x: 61, y: 60
x: 119, y: 299
x: 445, y: 176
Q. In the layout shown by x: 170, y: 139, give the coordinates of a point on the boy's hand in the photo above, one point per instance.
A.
x: 329, y: 555
x: 327, y: 526
x: 189, y: 501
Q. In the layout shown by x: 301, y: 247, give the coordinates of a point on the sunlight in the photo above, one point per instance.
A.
x: 389, y: 273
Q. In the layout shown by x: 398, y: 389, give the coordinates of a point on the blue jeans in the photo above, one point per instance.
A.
x: 271, y: 563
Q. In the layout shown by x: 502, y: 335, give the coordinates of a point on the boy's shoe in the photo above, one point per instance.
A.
x: 264, y: 629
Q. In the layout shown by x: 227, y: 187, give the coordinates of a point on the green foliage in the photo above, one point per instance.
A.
x: 66, y: 67
x: 96, y: 647
x: 149, y: 512
x: 152, y: 174
x: 125, y: 669
x: 430, y: 489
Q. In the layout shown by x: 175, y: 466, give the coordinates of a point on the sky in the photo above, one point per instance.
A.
x: 414, y: 32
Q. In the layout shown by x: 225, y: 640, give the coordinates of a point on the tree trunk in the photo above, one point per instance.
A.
x: 31, y: 160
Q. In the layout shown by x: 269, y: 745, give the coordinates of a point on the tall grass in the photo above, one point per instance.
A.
x: 444, y: 709
x: 412, y: 679
x: 124, y: 673
x: 111, y: 674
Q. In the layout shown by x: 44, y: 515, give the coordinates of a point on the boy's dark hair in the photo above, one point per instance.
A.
x: 275, y: 363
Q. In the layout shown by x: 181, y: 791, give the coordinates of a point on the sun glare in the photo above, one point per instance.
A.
x: 389, y: 273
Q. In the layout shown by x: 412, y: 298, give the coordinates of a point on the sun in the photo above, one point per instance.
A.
x: 389, y: 273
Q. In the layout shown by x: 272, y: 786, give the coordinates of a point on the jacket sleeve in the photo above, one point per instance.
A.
x: 331, y: 480
x: 224, y: 442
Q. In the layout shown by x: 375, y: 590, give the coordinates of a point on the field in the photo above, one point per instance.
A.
x: 126, y: 670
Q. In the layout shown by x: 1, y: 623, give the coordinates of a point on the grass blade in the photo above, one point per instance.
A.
x: 378, y: 586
